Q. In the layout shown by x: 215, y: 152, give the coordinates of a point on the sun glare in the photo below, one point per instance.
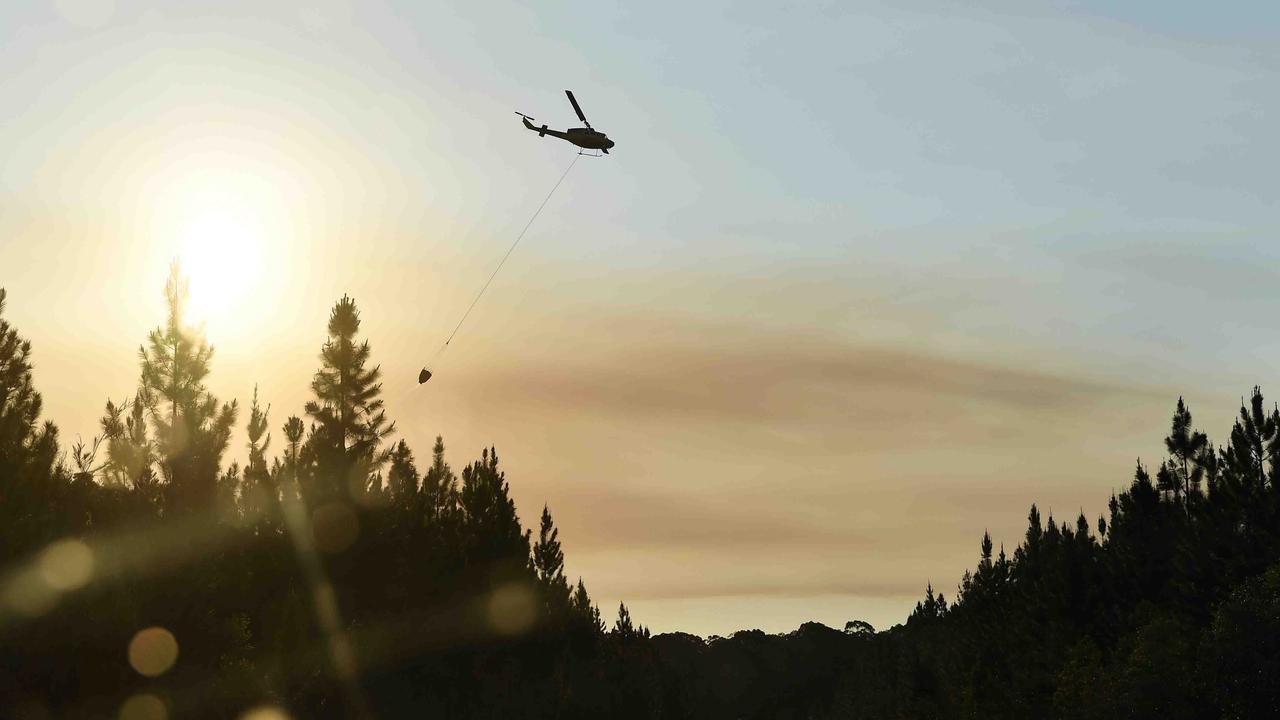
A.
x: 229, y: 211
x: 221, y: 254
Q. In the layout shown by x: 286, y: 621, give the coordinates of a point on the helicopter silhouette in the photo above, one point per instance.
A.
x: 584, y: 137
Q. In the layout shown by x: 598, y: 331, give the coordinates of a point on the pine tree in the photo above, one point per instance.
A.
x: 191, y: 430
x: 23, y: 441
x: 1142, y: 492
x: 290, y: 471
x: 348, y: 410
x: 1026, y: 555
x: 1187, y: 451
x: 130, y: 456
x: 258, y: 434
x: 439, y: 489
x: 260, y: 493
x: 293, y: 429
x: 548, y: 562
x: 1253, y: 442
x: 585, y: 609
x: 623, y: 628
x: 402, y: 477
x: 931, y: 608
x: 1082, y: 526
x: 491, y: 528
x: 1212, y: 469
x: 1168, y: 483
x: 229, y: 491
x: 1052, y: 534
x: 29, y: 470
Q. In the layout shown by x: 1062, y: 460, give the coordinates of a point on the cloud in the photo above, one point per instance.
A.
x: 689, y: 521
x: 722, y: 460
x: 683, y: 373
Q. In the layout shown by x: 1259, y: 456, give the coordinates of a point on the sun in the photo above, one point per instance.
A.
x: 231, y: 214
x: 221, y: 253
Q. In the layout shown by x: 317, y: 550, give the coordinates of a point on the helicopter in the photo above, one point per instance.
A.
x: 584, y: 137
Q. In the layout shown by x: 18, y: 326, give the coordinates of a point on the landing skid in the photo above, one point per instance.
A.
x: 597, y: 153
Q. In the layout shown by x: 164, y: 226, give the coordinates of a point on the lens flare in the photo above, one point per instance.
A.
x: 513, y: 609
x: 144, y: 707
x: 153, y: 651
x: 66, y: 565
x: 266, y: 712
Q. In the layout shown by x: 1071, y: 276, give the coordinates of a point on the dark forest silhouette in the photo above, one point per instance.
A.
x: 337, y: 578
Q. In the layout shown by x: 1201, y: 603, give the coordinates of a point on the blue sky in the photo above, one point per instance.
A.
x: 1017, y: 231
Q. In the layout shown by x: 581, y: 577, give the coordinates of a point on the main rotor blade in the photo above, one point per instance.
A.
x: 577, y: 109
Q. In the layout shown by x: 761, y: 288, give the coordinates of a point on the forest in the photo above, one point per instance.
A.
x: 337, y: 573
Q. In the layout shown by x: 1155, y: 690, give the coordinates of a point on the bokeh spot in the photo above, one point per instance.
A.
x: 512, y: 609
x: 335, y: 527
x: 144, y: 706
x: 66, y: 565
x: 153, y: 651
x: 266, y: 712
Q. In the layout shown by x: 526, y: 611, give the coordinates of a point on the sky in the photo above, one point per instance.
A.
x: 859, y: 281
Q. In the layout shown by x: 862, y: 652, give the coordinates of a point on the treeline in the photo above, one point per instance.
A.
x: 333, y: 576
x: 330, y: 576
x: 1167, y: 607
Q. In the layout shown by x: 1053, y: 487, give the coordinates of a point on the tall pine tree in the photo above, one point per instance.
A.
x: 490, y: 526
x: 588, y: 611
x: 259, y: 496
x: 28, y: 449
x: 1253, y: 442
x: 402, y: 477
x: 439, y: 490
x: 1187, y: 450
x: 191, y: 430
x: 351, y: 422
x: 548, y: 564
